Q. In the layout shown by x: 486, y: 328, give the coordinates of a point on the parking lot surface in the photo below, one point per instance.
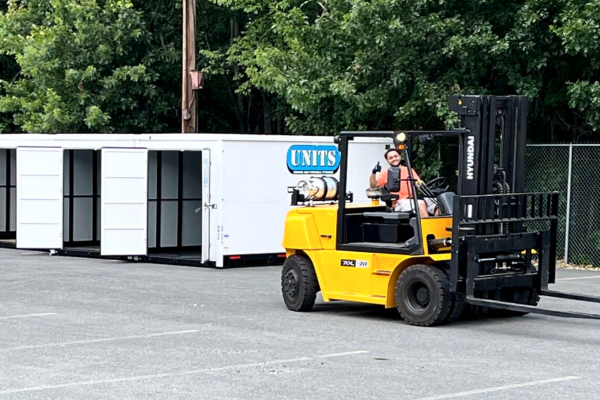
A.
x: 77, y: 328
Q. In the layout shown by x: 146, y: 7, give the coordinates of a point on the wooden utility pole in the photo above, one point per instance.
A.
x: 188, y: 110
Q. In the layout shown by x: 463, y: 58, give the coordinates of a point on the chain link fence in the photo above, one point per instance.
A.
x: 572, y: 170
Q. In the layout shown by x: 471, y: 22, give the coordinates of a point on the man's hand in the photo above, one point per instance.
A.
x: 377, y: 168
x: 419, y: 182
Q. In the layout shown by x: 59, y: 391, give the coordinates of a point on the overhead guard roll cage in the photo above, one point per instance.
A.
x: 343, y: 140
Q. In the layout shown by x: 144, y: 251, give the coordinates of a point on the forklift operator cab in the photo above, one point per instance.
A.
x: 395, y: 224
x: 478, y: 252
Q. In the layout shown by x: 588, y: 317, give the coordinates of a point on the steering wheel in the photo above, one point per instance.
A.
x: 437, y: 183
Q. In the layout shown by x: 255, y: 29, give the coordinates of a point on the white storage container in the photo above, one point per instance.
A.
x: 181, y: 198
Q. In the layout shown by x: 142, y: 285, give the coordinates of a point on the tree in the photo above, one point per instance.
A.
x: 578, y: 27
x: 228, y: 102
x: 86, y: 65
x: 385, y: 64
x: 8, y: 71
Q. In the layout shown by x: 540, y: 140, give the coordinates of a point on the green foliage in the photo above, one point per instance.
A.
x: 8, y: 71
x: 360, y: 64
x: 322, y: 65
x: 87, y: 66
x: 385, y: 64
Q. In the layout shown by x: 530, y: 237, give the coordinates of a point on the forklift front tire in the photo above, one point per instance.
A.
x: 423, y: 295
x: 299, y: 284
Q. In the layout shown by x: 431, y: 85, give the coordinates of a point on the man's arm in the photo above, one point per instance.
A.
x: 373, y: 178
x: 373, y: 181
x: 416, y: 177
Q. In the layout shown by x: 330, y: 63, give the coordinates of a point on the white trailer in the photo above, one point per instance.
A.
x: 178, y: 198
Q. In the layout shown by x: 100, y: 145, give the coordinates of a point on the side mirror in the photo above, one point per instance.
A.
x: 338, y: 140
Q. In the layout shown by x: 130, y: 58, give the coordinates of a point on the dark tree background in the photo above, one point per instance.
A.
x: 297, y: 66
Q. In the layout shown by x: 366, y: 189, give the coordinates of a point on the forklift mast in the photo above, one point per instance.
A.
x: 493, y: 146
x: 497, y: 227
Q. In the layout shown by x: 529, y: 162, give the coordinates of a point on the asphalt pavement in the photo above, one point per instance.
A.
x: 80, y: 328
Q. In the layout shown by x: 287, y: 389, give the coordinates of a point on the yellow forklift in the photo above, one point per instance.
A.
x: 488, y: 246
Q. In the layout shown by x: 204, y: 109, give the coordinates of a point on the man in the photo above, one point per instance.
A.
x: 405, y: 202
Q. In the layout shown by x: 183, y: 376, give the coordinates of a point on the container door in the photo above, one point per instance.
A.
x: 124, y: 202
x: 207, y: 205
x: 39, y: 198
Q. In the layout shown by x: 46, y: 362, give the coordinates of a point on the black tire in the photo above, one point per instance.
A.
x: 458, y: 307
x: 299, y: 284
x: 423, y: 295
x: 458, y: 302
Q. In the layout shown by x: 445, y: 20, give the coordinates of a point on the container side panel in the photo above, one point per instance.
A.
x: 98, y: 216
x: 168, y: 226
x: 208, y: 240
x: 13, y: 209
x: 151, y: 225
x: 39, y: 198
x: 170, y: 175
x: 66, y: 173
x: 192, y: 175
x: 83, y: 220
x: 125, y: 164
x: 152, y: 175
x: 3, y: 167
x: 192, y: 223
x: 66, y: 226
x: 83, y: 172
x: 124, y: 202
x: 13, y: 167
x: 39, y: 163
x: 4, y: 190
x: 3, y: 214
x: 124, y: 190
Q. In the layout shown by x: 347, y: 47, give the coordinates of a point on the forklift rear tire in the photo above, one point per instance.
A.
x: 299, y: 284
x: 423, y: 295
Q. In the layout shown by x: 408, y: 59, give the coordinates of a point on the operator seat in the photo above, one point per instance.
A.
x: 388, y: 226
x: 392, y: 185
x: 446, y: 203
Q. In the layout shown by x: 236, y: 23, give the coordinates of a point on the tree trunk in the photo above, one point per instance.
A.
x: 239, y: 112
x: 266, y: 113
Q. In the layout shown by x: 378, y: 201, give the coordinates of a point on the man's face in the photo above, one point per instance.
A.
x: 393, y: 158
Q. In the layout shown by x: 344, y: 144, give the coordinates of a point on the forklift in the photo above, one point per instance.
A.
x: 489, y: 246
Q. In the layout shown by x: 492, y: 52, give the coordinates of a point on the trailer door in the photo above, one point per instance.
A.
x: 124, y: 202
x: 39, y: 198
x: 207, y: 205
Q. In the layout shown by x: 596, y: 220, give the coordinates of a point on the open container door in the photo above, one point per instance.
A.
x: 124, y: 202
x: 207, y: 206
x: 39, y: 198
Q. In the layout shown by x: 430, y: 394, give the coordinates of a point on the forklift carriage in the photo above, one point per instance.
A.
x: 491, y: 246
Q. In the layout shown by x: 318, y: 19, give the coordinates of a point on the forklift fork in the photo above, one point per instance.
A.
x: 478, y: 248
x: 503, y: 305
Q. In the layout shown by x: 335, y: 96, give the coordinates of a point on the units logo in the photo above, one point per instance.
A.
x: 313, y: 159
